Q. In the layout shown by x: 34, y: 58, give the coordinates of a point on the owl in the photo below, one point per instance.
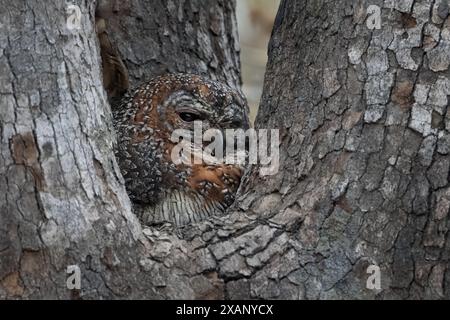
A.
x: 164, y: 190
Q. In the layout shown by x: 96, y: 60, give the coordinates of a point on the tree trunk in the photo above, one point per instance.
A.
x: 167, y: 36
x: 364, y: 126
x: 62, y: 200
x: 364, y: 177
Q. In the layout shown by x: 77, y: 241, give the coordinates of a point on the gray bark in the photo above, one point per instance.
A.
x: 62, y: 198
x: 158, y: 37
x: 364, y: 151
x: 364, y: 176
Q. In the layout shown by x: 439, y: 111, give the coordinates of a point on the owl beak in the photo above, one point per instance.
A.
x: 246, y: 122
x: 234, y: 118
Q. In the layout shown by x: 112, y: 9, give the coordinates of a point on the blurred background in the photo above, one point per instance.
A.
x: 255, y: 20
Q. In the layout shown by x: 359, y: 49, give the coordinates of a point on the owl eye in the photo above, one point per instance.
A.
x: 189, y: 116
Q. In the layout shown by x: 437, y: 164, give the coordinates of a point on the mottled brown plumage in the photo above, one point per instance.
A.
x: 145, y: 119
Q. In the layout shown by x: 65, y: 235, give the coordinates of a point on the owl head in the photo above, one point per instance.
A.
x: 145, y: 119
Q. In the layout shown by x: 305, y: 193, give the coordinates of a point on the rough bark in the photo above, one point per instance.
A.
x: 157, y: 37
x: 364, y: 151
x: 62, y: 197
x: 364, y: 171
x: 62, y: 200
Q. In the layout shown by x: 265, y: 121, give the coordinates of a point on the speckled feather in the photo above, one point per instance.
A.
x: 145, y: 119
